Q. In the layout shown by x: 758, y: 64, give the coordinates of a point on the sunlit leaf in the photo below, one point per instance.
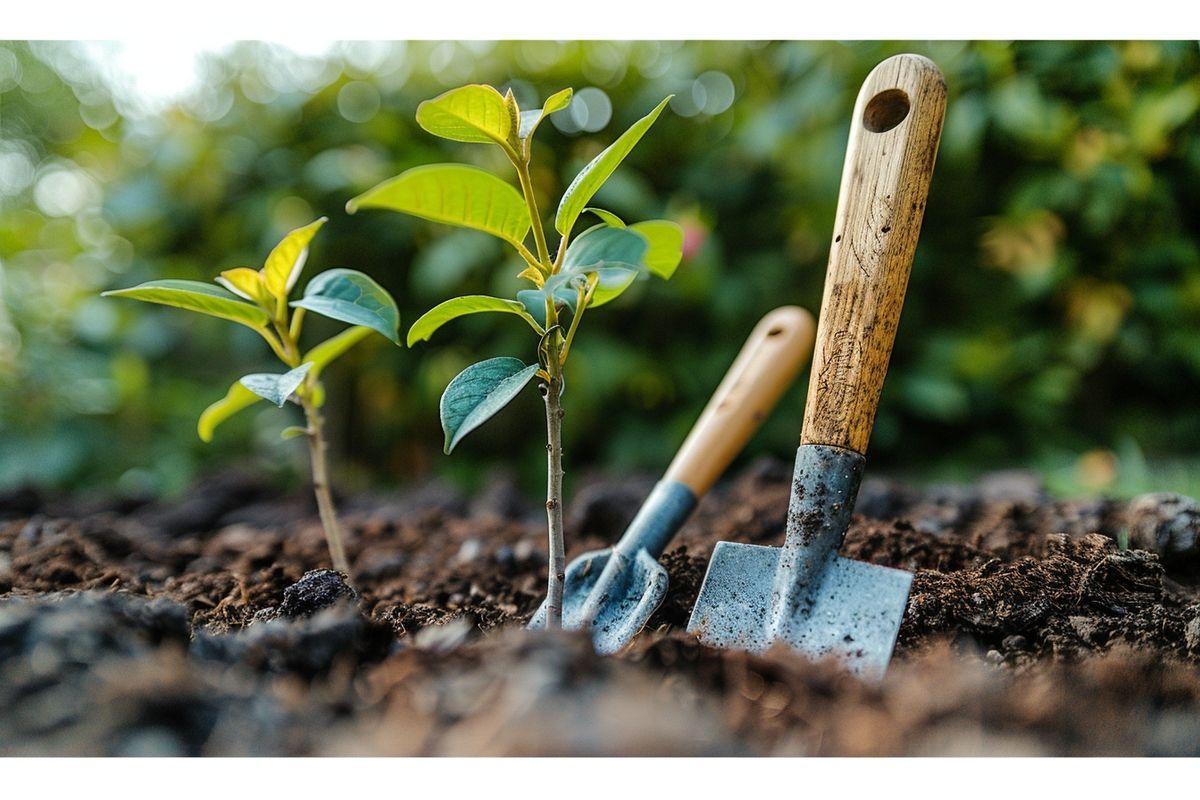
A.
x: 478, y: 392
x: 333, y: 347
x: 592, y: 177
x: 442, y: 313
x: 276, y: 388
x: 608, y: 217
x: 292, y: 432
x: 284, y: 264
x: 665, y: 240
x: 351, y: 296
x: 531, y: 119
x: 456, y: 195
x: 611, y: 283
x: 203, y: 298
x: 237, y: 398
x: 244, y: 282
x: 474, y: 113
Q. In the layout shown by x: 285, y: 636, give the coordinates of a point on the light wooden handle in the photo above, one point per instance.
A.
x: 765, y: 367
x: 889, y: 161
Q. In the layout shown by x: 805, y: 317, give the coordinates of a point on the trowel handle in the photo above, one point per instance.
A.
x: 894, y: 137
x: 767, y: 365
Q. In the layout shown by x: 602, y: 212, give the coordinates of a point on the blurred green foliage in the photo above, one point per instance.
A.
x: 1053, y: 310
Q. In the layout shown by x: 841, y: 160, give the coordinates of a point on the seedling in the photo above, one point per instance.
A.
x: 258, y: 299
x: 588, y: 271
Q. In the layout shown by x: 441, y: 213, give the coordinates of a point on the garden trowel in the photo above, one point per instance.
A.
x: 804, y: 593
x: 614, y: 591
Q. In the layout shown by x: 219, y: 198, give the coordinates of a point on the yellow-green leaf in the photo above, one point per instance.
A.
x: 244, y: 282
x: 324, y: 353
x: 456, y: 195
x: 442, y: 313
x: 474, y: 113
x: 531, y: 119
x: 199, y: 297
x: 237, y: 398
x: 608, y: 217
x: 287, y: 259
x: 600, y: 169
x: 665, y: 240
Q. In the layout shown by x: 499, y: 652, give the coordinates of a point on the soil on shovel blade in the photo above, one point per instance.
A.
x: 208, y: 627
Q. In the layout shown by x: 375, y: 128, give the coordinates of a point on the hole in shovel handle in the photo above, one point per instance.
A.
x: 886, y: 110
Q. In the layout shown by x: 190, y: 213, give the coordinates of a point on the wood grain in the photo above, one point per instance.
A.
x: 767, y: 364
x: 893, y: 143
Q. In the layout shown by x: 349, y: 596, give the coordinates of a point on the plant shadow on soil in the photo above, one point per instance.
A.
x: 193, y: 629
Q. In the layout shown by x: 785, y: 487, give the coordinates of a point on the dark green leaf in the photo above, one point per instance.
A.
x: 478, y: 392
x: 604, y: 245
x: 350, y: 296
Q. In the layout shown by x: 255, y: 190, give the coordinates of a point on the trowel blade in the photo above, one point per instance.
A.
x: 631, y: 601
x: 853, y: 614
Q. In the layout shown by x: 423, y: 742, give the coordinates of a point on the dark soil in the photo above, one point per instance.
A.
x: 209, y: 627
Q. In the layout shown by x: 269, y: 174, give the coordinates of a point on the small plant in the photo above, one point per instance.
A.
x: 258, y: 299
x: 588, y: 271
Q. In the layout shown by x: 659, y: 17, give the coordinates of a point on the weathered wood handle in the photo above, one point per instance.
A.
x: 766, y: 366
x: 889, y: 161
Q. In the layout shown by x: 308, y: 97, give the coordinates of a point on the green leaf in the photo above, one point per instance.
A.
x: 478, y: 392
x: 611, y: 283
x: 442, y: 313
x: 292, y: 431
x: 285, y: 262
x: 608, y: 217
x: 454, y: 194
x: 333, y: 347
x: 275, y: 387
x: 535, y: 299
x: 592, y: 177
x: 665, y: 251
x: 531, y: 119
x: 237, y: 398
x: 604, y: 245
x: 196, y: 296
x: 350, y: 296
x: 474, y: 113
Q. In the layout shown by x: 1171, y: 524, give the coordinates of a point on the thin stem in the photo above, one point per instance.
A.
x: 276, y: 347
x: 554, y: 501
x: 581, y: 304
x: 297, y: 321
x: 539, y: 235
x: 320, y: 475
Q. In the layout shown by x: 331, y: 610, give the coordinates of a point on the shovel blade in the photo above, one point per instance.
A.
x: 626, y: 607
x: 853, y: 614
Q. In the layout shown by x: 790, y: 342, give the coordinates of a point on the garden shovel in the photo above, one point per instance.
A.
x: 805, y: 594
x: 615, y: 590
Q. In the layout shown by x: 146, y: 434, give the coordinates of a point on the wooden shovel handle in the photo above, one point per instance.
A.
x: 894, y: 137
x: 765, y: 367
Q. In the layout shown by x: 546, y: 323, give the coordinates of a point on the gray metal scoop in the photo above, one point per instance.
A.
x: 804, y: 593
x: 614, y: 591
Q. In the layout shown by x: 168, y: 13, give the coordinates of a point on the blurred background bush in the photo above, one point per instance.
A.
x: 1052, y: 320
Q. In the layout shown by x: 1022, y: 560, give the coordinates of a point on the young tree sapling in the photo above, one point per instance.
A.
x: 588, y: 271
x: 259, y: 300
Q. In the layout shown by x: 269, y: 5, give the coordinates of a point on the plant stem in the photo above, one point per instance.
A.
x: 554, y: 502
x: 320, y: 476
x: 539, y: 235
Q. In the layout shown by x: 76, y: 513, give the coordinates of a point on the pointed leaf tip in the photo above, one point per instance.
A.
x: 478, y: 392
x: 350, y: 296
x: 275, y: 387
